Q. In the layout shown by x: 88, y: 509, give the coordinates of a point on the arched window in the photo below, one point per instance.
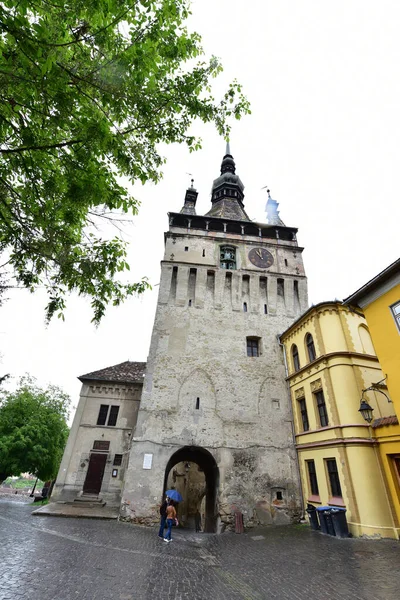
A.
x: 312, y: 355
x: 228, y: 257
x: 295, y: 356
x: 366, y: 341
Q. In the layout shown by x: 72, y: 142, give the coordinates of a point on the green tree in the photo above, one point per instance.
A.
x: 33, y: 430
x: 88, y: 91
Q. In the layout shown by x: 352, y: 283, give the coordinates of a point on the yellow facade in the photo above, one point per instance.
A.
x: 377, y: 300
x: 330, y: 360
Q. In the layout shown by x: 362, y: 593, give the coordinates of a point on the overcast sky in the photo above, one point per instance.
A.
x: 323, y: 81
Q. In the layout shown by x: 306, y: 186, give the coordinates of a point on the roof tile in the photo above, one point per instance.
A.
x: 125, y: 372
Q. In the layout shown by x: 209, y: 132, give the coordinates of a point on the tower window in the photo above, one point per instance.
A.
x: 253, y: 346
x: 204, y: 252
x: 190, y: 303
x: 265, y: 309
x: 310, y: 347
x: 186, y: 248
x: 285, y: 262
x: 244, y: 306
x: 228, y: 257
x: 295, y: 357
x: 197, y: 403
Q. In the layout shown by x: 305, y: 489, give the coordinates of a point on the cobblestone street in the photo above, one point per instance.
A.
x: 64, y: 559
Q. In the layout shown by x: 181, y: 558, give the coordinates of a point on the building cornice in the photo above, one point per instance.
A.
x: 339, y: 442
x: 327, y: 358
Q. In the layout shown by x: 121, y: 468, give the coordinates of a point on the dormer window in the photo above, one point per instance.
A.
x: 228, y: 257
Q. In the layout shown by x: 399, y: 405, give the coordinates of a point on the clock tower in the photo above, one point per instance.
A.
x: 215, y: 420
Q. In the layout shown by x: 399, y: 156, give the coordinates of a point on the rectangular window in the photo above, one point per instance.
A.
x: 112, y: 419
x: 101, y: 419
x: 252, y: 347
x: 333, y: 477
x: 312, y: 476
x: 303, y: 413
x: 395, y: 308
x: 101, y: 445
x: 323, y: 415
x: 117, y: 460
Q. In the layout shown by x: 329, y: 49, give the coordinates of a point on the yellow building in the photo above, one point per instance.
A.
x: 379, y: 300
x: 330, y: 361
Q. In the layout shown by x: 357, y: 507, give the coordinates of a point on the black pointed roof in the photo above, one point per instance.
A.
x: 227, y: 192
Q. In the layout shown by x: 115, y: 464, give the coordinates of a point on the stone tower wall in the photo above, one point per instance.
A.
x: 202, y: 390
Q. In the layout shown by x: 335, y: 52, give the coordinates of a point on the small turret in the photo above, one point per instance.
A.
x: 271, y: 208
x: 189, y: 208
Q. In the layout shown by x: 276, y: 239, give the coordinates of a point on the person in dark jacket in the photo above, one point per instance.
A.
x: 163, y: 514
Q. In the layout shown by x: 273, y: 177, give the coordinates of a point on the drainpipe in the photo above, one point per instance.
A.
x: 292, y: 423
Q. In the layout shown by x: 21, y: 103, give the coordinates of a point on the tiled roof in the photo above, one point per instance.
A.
x: 385, y: 421
x: 228, y: 208
x: 126, y: 372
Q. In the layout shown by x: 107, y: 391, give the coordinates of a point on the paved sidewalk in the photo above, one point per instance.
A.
x: 65, y: 559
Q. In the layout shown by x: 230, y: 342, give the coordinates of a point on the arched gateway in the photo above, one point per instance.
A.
x: 194, y: 487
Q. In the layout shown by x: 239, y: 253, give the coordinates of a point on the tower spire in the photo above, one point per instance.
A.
x: 227, y: 192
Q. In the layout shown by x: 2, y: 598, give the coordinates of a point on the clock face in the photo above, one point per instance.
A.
x: 261, y: 258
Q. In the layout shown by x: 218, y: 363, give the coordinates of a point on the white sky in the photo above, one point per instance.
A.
x: 323, y: 81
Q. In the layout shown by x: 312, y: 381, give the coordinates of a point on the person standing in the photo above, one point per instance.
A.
x: 163, y: 514
x: 171, y: 518
x: 197, y: 521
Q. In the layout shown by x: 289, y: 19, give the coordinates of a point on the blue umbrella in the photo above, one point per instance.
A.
x: 174, y: 495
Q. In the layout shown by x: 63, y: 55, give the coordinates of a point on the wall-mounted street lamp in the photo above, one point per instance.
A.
x: 365, y: 409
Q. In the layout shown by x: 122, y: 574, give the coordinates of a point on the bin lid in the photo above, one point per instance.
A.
x: 324, y: 507
x: 338, y: 509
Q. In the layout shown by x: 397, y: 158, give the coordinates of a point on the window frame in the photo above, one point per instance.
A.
x: 312, y: 478
x: 113, y: 415
x: 101, y: 413
x: 321, y: 408
x: 253, y: 342
x: 118, y: 458
x: 295, y: 358
x: 303, y: 413
x: 228, y: 264
x: 396, y: 317
x: 312, y: 355
x: 333, y: 476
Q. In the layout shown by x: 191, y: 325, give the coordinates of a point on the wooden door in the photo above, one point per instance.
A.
x: 94, y: 475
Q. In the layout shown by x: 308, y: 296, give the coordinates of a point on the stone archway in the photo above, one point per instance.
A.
x: 206, y: 463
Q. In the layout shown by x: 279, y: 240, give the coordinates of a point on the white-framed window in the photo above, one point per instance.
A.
x: 395, y: 308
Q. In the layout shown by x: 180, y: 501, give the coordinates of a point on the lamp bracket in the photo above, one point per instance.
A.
x: 377, y: 387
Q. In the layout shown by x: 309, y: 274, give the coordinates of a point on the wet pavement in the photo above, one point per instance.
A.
x: 65, y: 559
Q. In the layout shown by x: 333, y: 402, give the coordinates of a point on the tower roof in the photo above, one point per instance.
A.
x: 227, y: 191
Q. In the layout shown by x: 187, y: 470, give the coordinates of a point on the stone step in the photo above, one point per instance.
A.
x: 89, y: 500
